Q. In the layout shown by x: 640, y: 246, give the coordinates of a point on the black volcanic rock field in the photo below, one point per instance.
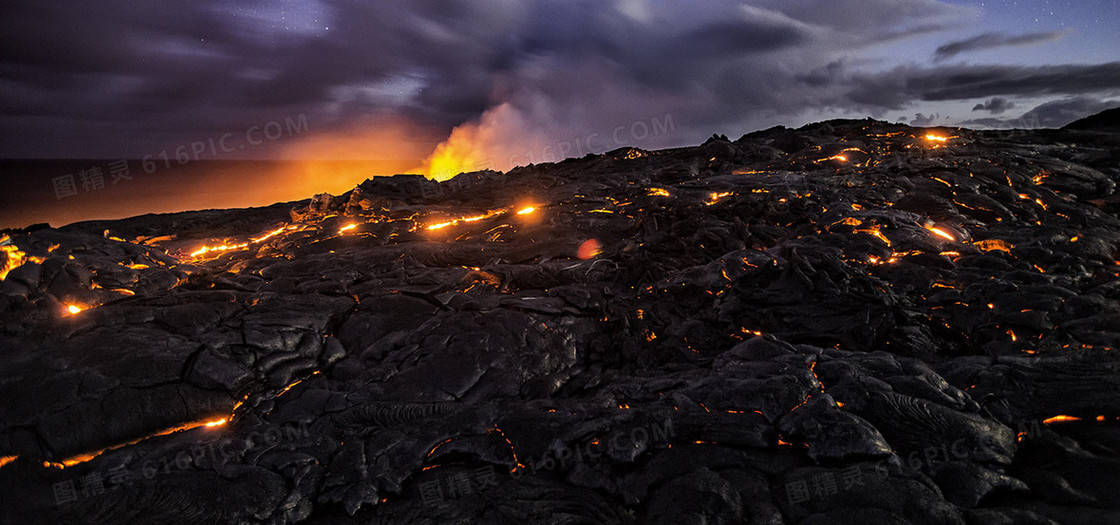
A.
x: 852, y: 322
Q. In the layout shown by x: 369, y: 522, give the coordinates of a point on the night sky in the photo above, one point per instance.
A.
x: 504, y: 82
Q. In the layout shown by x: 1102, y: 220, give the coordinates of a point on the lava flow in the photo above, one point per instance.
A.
x: 786, y: 325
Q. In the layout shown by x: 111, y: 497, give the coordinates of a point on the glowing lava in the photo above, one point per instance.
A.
x: 714, y: 198
x: 74, y: 309
x: 82, y: 458
x: 526, y: 210
x: 993, y: 245
x: 14, y: 257
x: 225, y: 247
x: 452, y: 222
x: 941, y: 233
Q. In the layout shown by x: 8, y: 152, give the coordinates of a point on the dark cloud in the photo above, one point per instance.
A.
x: 1054, y: 114
x: 995, y: 105
x: 925, y: 120
x: 992, y: 41
x: 898, y: 87
x: 118, y: 78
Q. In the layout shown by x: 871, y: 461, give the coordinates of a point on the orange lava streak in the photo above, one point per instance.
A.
x: 437, y: 445
x: 941, y: 233
x: 875, y: 232
x: 452, y: 222
x: 225, y: 247
x: 82, y: 458
x: 253, y: 240
x: 1060, y: 419
x: 270, y: 235
x: 512, y: 450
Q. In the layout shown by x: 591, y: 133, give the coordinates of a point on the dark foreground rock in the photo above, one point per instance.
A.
x: 852, y: 322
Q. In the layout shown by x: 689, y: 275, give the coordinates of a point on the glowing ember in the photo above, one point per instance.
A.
x: 715, y: 197
x: 347, y: 228
x: 658, y: 192
x: 74, y: 309
x: 994, y: 244
x: 526, y: 211
x: 937, y: 138
x: 4, y: 460
x: 216, y: 423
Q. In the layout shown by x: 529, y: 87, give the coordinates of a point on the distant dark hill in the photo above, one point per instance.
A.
x: 1108, y: 120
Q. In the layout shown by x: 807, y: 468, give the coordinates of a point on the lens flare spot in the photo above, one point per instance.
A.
x: 589, y: 249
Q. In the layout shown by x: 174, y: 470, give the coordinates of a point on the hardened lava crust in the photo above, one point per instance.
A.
x: 851, y: 322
